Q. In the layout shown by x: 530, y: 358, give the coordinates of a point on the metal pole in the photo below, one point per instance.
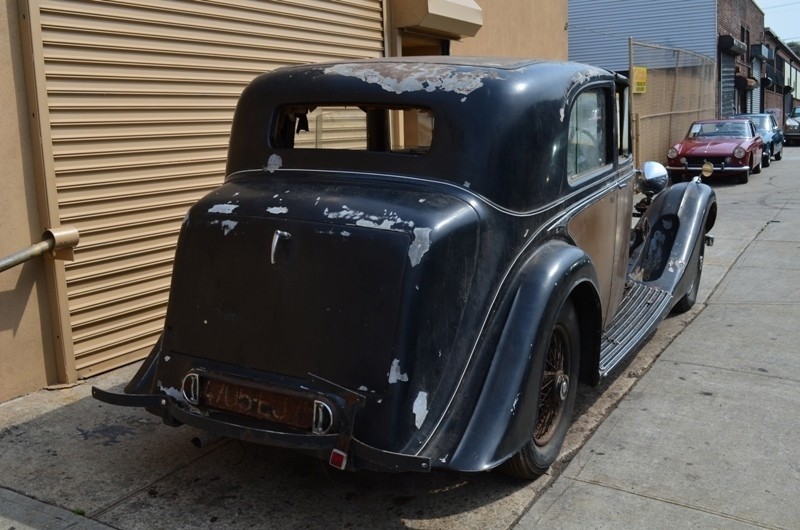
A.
x: 24, y: 255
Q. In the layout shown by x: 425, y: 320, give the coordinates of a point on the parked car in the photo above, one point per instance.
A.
x: 412, y: 263
x: 792, y: 126
x: 717, y: 147
x: 770, y: 133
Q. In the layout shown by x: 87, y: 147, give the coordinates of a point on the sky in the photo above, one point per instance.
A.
x: 783, y: 17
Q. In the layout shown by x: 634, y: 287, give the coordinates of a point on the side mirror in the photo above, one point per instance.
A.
x: 652, y: 178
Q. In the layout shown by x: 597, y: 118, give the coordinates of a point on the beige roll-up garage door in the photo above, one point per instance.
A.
x: 139, y: 100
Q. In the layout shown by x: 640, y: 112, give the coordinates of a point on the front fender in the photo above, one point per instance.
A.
x: 506, y: 410
x: 667, y: 238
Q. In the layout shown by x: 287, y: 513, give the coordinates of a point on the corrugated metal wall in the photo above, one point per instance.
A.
x: 599, y: 29
x: 141, y: 95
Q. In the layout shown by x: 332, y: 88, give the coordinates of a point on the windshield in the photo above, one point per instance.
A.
x: 731, y: 129
x: 761, y: 122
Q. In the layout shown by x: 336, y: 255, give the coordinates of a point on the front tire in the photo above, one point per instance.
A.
x: 744, y: 177
x: 689, y: 299
x: 767, y: 155
x: 559, y: 384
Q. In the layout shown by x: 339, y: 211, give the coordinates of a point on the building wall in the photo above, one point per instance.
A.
x: 26, y: 350
x: 520, y: 28
x: 735, y: 14
x: 599, y: 29
x: 743, y: 20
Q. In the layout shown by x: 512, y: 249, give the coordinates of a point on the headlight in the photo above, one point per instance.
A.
x: 792, y: 123
x: 683, y: 160
x: 672, y: 153
x: 738, y: 152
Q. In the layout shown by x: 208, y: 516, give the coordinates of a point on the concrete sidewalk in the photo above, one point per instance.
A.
x: 710, y: 436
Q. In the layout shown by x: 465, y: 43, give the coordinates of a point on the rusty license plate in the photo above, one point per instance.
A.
x: 278, y: 407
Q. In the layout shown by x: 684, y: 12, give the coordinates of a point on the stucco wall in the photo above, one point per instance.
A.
x: 519, y: 28
x: 26, y: 351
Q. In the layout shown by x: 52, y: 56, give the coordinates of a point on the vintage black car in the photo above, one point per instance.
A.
x: 412, y: 263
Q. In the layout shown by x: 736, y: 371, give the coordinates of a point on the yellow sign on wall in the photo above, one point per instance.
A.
x: 639, y: 79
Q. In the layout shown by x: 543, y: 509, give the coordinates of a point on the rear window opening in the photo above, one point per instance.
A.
x: 406, y: 130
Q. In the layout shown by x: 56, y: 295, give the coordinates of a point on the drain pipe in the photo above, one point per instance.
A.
x: 59, y: 242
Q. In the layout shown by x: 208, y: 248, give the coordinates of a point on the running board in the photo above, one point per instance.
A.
x: 640, y: 312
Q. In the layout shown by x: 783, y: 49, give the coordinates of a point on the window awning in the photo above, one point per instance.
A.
x: 451, y: 18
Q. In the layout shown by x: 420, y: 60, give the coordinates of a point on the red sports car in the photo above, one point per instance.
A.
x: 717, y: 147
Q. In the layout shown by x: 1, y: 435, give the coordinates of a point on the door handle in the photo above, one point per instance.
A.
x: 276, y: 238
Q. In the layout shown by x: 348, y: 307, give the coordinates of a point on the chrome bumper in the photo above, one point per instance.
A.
x: 343, y: 450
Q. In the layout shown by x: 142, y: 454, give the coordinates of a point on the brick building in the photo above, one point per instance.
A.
x: 782, y: 78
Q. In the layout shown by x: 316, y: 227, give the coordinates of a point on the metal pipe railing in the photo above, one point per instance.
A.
x: 59, y: 242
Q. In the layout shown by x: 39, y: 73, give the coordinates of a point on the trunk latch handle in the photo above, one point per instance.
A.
x: 276, y: 237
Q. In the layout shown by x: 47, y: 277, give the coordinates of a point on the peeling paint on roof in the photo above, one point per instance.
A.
x: 410, y: 77
x: 586, y: 75
x: 278, y: 210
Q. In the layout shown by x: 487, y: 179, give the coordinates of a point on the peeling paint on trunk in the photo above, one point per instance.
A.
x: 399, y: 78
x: 394, y: 373
x: 223, y: 208
x: 420, y: 408
x: 274, y: 162
x: 174, y: 393
x: 388, y: 221
x: 420, y: 245
x: 227, y: 226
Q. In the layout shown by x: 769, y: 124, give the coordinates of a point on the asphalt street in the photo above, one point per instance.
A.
x: 700, y: 429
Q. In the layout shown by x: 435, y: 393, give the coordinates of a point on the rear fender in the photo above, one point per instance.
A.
x: 506, y: 410
x: 668, y: 237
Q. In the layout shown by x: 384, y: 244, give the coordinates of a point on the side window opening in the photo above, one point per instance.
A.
x: 407, y: 130
x: 623, y: 123
x: 587, y: 141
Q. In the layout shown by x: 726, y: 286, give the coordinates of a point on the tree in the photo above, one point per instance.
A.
x: 795, y: 47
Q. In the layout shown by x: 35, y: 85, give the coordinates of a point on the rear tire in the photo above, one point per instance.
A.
x: 757, y: 169
x: 765, y: 160
x: 779, y: 154
x: 559, y: 383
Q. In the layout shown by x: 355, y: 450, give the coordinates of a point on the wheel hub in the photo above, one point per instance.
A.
x: 562, y: 386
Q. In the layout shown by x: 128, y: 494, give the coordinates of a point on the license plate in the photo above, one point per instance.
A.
x: 278, y: 407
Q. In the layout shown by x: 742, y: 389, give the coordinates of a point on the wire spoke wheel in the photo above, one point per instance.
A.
x: 555, y: 385
x: 558, y: 381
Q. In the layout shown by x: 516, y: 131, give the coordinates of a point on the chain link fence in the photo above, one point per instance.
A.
x: 671, y: 89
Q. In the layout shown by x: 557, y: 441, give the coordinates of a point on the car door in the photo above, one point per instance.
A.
x: 592, y: 171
